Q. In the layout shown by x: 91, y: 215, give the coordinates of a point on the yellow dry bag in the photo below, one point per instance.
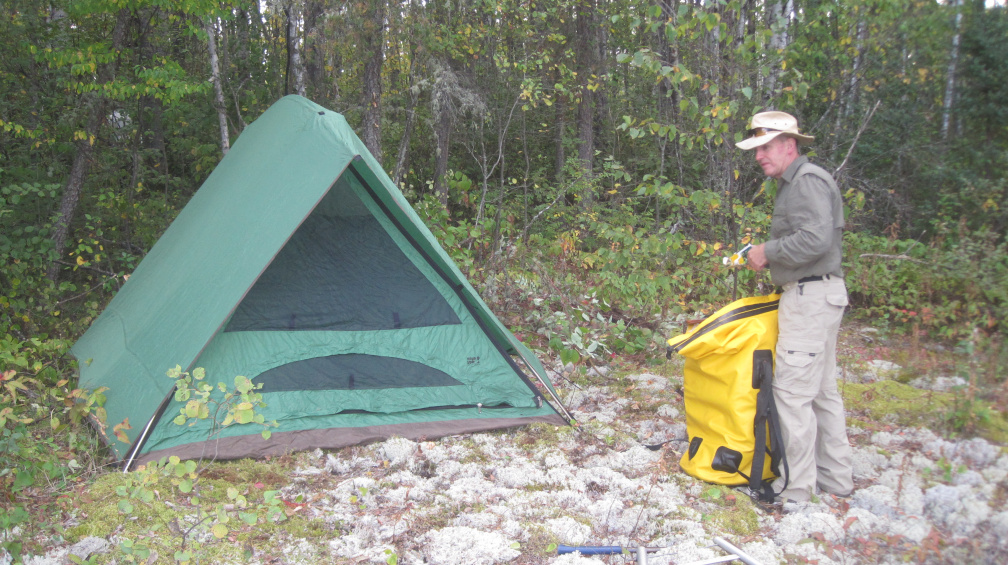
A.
x: 734, y: 436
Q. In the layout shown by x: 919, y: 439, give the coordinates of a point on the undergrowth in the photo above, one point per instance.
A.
x: 586, y: 288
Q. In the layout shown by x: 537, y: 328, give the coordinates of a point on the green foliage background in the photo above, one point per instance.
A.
x: 593, y: 185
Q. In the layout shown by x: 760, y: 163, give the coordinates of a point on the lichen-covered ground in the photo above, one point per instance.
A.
x: 513, y: 496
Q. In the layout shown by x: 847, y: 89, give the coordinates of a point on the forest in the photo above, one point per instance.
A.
x: 575, y: 157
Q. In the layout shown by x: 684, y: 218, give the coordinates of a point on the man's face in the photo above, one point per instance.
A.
x: 775, y: 156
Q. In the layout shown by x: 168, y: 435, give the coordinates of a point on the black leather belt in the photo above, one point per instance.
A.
x: 813, y: 278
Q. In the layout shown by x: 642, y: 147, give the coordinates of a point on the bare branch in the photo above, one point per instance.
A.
x: 857, y: 136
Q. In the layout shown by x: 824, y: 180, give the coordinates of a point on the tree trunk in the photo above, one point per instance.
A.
x: 560, y: 123
x: 374, y: 38
x: 97, y: 112
x: 312, y: 54
x: 780, y: 15
x: 586, y: 71
x: 225, y: 139
x: 400, y: 166
x: 951, y: 72
x: 442, y: 132
x: 295, y: 63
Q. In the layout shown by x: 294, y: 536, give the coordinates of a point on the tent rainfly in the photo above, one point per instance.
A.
x: 300, y: 265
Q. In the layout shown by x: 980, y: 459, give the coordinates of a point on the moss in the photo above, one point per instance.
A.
x: 731, y: 510
x: 740, y: 521
x: 164, y: 519
x: 542, y: 541
x: 540, y: 434
x: 888, y: 402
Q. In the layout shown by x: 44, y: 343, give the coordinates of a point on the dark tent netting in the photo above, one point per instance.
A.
x: 341, y: 271
x: 352, y: 372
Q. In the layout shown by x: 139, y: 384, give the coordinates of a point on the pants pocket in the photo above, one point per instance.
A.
x: 796, y: 362
x: 798, y: 353
x: 837, y: 299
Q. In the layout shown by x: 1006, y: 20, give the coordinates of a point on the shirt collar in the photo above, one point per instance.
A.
x: 792, y: 169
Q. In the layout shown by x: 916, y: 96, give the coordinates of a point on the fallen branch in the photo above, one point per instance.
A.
x: 886, y: 256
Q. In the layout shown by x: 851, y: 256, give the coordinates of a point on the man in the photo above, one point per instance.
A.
x: 804, y: 254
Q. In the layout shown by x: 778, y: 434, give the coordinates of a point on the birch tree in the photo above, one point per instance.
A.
x: 295, y: 62
x: 215, y: 78
x: 950, y: 73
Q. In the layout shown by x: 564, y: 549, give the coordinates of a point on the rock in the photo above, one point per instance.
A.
x: 89, y: 546
x: 877, y: 499
x: 468, y: 545
x: 650, y: 382
x: 878, y: 369
x: 956, y: 508
x: 913, y: 528
x: 940, y: 384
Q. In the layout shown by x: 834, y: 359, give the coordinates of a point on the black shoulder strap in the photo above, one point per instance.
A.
x: 766, y: 421
x: 778, y: 458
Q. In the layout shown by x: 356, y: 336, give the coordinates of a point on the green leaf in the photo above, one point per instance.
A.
x: 244, y: 416
x: 23, y: 479
x: 192, y: 409
x: 243, y: 384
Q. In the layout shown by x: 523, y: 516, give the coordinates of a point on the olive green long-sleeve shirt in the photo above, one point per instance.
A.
x: 806, y: 232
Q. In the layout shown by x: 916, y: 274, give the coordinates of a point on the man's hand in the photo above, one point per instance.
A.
x: 757, y: 257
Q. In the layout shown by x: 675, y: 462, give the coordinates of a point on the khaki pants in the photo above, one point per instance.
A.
x: 805, y: 390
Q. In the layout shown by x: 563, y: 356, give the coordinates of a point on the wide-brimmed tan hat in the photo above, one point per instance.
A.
x: 767, y: 125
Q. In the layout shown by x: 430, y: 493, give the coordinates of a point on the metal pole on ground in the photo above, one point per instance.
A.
x: 734, y: 553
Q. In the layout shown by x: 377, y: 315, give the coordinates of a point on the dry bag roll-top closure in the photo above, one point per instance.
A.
x: 731, y: 419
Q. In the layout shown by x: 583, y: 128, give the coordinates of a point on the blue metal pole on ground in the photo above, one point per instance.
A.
x: 734, y: 553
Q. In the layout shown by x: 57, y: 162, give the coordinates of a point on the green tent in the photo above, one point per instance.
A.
x: 300, y: 265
